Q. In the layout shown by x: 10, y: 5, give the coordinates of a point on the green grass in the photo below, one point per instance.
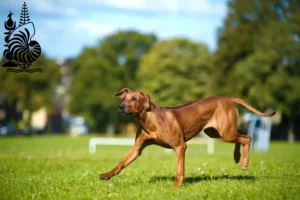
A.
x: 60, y: 167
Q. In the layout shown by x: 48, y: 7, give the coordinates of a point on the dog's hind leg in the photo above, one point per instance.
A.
x: 229, y: 132
x: 239, y: 140
x: 245, y: 140
x: 236, y: 153
x: 235, y: 137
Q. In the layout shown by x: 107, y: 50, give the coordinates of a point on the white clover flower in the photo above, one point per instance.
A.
x: 197, y: 169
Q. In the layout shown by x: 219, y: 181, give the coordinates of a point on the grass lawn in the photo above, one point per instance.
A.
x: 60, y: 167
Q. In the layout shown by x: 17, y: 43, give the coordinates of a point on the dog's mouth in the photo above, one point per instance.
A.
x: 126, y: 113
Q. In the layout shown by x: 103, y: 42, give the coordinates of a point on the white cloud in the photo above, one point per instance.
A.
x: 94, y: 29
x: 205, y: 7
x: 130, y: 4
x: 64, y: 27
x: 71, y: 11
x: 62, y: 7
x: 173, y: 6
x: 45, y: 6
x: 52, y: 24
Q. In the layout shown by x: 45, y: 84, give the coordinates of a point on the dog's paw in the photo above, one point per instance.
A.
x: 244, y: 167
x: 104, y: 176
x: 177, y: 183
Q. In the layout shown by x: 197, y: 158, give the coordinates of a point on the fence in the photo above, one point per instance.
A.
x: 130, y: 142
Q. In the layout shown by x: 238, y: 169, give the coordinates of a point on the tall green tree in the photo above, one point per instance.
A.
x: 101, y: 71
x: 34, y: 90
x: 124, y: 49
x: 94, y: 81
x: 258, y: 56
x: 176, y: 68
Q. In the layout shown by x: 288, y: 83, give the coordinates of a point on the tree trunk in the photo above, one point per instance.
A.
x: 291, y: 133
x: 287, y: 128
x: 30, y: 132
x: 28, y: 107
x: 111, y: 128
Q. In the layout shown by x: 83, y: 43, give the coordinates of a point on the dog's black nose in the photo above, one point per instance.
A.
x: 122, y: 106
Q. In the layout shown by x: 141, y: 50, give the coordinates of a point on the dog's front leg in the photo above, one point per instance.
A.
x: 140, y: 143
x: 180, y: 159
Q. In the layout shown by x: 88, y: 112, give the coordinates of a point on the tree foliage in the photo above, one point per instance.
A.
x: 100, y: 71
x: 34, y: 90
x: 257, y: 59
x: 175, y: 71
x: 258, y: 53
x: 94, y: 78
x: 124, y: 49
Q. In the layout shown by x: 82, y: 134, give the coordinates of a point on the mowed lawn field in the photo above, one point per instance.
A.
x: 60, y: 167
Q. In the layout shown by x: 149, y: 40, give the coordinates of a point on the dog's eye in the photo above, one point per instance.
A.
x: 133, y: 99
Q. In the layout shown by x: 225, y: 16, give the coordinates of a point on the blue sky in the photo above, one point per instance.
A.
x: 63, y: 28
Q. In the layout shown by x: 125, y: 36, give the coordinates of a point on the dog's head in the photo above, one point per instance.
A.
x: 134, y: 102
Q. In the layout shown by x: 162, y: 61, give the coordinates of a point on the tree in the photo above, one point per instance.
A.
x: 93, y: 83
x: 124, y: 49
x: 34, y: 90
x: 176, y: 68
x: 257, y: 51
x: 101, y: 71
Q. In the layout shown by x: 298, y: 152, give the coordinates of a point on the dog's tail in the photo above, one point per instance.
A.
x: 247, y: 105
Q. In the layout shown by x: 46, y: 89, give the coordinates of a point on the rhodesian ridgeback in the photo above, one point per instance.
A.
x: 172, y: 127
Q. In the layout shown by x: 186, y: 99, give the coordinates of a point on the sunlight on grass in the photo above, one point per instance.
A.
x: 60, y: 167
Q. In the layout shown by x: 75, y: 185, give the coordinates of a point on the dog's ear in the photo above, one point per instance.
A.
x: 147, y: 104
x: 122, y: 93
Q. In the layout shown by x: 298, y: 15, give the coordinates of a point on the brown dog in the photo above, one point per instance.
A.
x: 172, y: 127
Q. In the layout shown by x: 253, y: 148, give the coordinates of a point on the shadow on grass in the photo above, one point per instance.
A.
x: 189, y: 180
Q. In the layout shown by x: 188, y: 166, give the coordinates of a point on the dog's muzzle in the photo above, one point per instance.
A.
x: 122, y: 107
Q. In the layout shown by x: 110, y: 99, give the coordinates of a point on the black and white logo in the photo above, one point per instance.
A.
x: 20, y: 50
